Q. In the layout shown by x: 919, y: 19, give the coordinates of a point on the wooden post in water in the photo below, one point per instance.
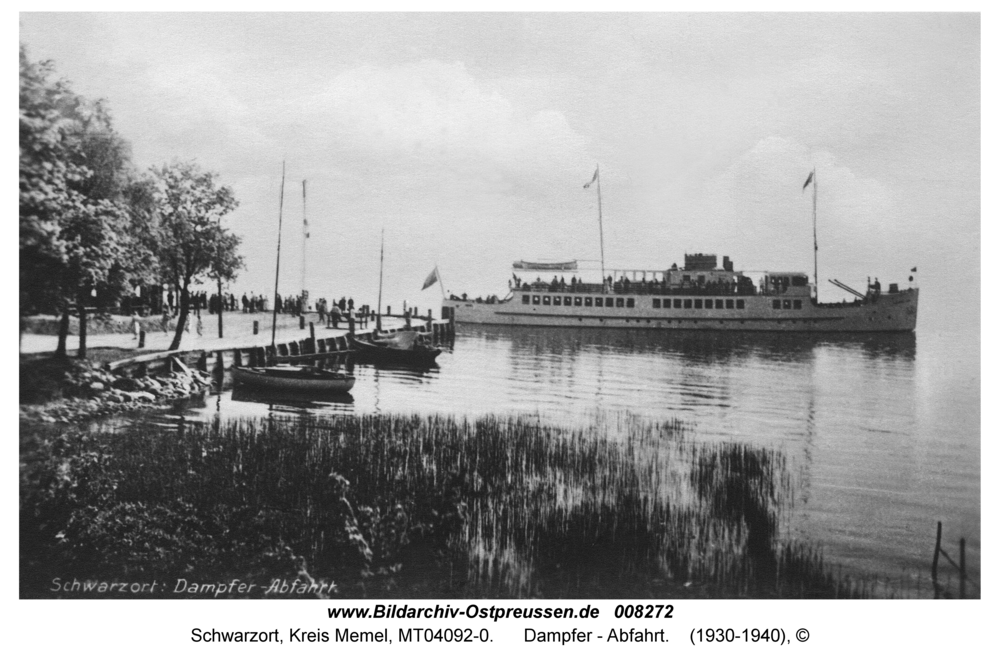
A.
x: 312, y: 331
x: 934, y: 563
x: 256, y: 326
x: 302, y: 322
x: 142, y: 339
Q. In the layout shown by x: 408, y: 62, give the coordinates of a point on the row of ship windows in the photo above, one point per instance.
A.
x: 658, y: 303
x: 697, y: 303
x: 569, y: 300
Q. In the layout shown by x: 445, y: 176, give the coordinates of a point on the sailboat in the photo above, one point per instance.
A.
x: 406, y: 347
x: 290, y: 378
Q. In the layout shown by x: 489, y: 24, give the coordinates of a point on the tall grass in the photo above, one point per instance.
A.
x: 418, y: 506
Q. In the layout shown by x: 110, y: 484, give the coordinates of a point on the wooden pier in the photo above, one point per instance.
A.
x: 330, y: 349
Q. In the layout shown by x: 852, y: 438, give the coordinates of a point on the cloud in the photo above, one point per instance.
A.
x: 433, y: 114
x: 763, y: 211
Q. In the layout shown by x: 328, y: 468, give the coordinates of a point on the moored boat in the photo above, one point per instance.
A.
x: 406, y: 347
x: 293, y: 378
x: 286, y: 377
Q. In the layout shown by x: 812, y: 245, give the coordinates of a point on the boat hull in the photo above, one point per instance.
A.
x: 890, y: 312
x: 260, y: 379
x: 375, y: 354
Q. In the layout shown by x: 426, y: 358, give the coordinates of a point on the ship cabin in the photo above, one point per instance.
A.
x: 699, y: 276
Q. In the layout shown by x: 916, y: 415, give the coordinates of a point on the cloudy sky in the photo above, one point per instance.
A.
x: 468, y: 138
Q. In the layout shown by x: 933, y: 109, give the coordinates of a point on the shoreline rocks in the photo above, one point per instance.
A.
x: 91, y: 392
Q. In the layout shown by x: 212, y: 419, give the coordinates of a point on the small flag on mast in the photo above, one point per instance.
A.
x: 596, y: 172
x: 808, y: 180
x: 431, y: 279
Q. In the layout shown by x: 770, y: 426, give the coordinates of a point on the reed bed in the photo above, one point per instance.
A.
x: 418, y: 506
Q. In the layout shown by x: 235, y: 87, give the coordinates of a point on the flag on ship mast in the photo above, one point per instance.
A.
x: 808, y: 180
x: 431, y: 278
x: 596, y: 173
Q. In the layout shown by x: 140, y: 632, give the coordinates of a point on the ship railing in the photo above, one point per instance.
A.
x: 643, y: 288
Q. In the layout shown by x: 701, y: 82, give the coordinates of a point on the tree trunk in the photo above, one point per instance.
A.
x: 63, y: 333
x: 181, y: 320
x: 218, y: 307
x: 81, y: 307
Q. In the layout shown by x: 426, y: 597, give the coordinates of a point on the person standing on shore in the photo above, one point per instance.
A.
x: 135, y: 325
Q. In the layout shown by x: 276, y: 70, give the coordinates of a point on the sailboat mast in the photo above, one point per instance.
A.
x: 305, y: 241
x: 381, y: 260
x: 277, y: 265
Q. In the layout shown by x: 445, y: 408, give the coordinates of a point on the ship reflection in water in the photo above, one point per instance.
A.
x: 725, y: 378
x: 873, y: 435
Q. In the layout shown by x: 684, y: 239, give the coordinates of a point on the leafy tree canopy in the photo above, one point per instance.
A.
x: 76, y: 220
x: 191, y: 243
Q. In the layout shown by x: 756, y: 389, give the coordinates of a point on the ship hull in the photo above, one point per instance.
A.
x: 891, y: 312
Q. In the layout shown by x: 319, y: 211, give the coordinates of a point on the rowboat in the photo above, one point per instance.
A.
x: 401, y: 348
x: 293, y: 378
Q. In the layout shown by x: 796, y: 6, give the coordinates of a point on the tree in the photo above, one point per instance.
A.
x: 191, y: 243
x: 48, y: 161
x: 76, y: 229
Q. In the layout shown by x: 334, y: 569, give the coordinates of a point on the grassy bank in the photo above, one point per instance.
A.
x: 407, y: 506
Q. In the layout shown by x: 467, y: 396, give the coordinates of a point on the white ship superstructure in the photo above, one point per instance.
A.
x: 699, y: 296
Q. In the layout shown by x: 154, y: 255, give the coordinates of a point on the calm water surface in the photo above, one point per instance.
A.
x: 882, y: 431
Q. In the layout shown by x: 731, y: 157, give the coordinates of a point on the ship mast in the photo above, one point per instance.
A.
x: 600, y: 220
x: 812, y: 178
x: 815, y: 243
